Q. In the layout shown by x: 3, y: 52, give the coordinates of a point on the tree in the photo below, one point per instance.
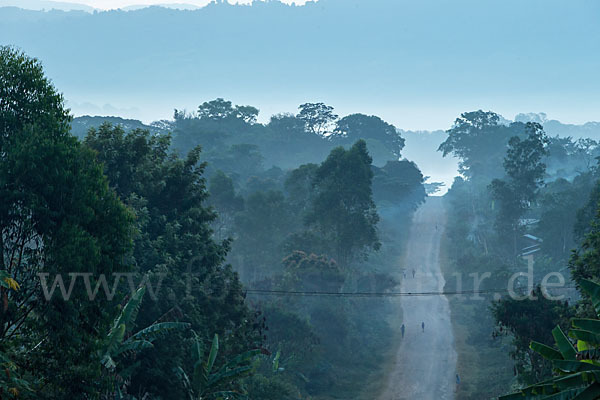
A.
x: 288, y: 126
x: 399, y: 183
x: 169, y: 197
x: 525, y: 172
x: 527, y: 320
x: 523, y: 162
x: 216, y: 126
x: 317, y: 117
x: 298, y: 187
x: 559, y: 202
x: 225, y: 201
x: 343, y: 211
x: 240, y: 161
x: 220, y: 110
x: 587, y: 151
x: 309, y: 272
x: 585, y: 260
x: 376, y: 132
x: 479, y: 140
x: 260, y: 229
x: 248, y: 114
x: 58, y: 216
x: 586, y: 215
x: 190, y: 131
x: 27, y: 98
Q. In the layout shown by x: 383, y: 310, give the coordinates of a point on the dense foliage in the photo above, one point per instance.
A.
x: 518, y: 201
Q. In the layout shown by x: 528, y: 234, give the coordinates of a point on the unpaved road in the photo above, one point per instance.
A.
x: 425, y: 364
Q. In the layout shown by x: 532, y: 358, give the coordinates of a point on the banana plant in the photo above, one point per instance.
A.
x: 121, y: 341
x: 208, y: 382
x: 576, y: 361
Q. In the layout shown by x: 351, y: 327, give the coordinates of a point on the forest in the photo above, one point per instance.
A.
x: 169, y: 225
x: 222, y: 253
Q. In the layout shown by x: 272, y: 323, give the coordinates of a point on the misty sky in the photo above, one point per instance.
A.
x: 111, y: 4
x: 417, y: 64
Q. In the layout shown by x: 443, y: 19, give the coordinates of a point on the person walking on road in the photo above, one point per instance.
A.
x: 413, y: 271
x: 402, y: 329
x: 423, y: 326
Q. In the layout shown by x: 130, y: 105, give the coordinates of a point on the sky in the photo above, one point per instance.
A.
x: 112, y: 4
x: 417, y: 64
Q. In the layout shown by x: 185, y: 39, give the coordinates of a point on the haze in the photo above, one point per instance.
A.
x: 343, y: 199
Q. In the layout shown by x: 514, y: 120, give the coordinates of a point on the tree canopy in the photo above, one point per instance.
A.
x: 343, y: 209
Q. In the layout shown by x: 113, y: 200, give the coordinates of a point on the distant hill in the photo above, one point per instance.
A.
x: 45, y: 5
x: 81, y: 125
x: 557, y: 128
x: 587, y: 130
x: 174, y: 6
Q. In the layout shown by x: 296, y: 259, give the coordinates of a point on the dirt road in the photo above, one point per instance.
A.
x: 426, y: 360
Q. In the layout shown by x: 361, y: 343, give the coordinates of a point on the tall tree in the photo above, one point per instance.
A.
x: 479, y: 140
x: 225, y: 201
x: 317, y: 117
x: 377, y: 133
x: 219, y: 110
x: 57, y: 217
x: 525, y: 173
x: 399, y: 183
x: 523, y: 162
x: 298, y: 186
x: 343, y: 211
x: 559, y: 202
x: 261, y: 228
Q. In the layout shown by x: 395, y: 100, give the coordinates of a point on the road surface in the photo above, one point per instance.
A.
x: 425, y: 364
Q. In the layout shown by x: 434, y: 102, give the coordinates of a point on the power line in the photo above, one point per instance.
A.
x: 383, y: 294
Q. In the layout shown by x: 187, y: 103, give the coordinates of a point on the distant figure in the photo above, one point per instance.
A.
x: 404, y: 273
x: 457, y: 379
x: 413, y: 271
x: 436, y: 227
x: 423, y: 326
x: 402, y: 329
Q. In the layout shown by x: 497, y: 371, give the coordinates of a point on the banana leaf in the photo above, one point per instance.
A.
x: 564, y: 345
x: 545, y: 351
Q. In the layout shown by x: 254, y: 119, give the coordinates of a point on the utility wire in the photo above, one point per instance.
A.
x: 383, y: 294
